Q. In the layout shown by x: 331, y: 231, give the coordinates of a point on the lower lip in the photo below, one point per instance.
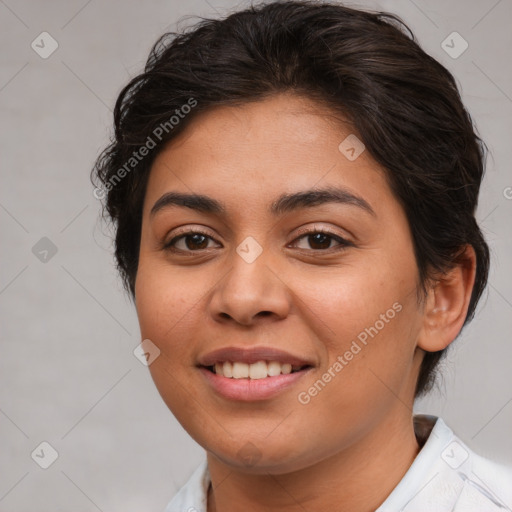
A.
x: 251, y: 389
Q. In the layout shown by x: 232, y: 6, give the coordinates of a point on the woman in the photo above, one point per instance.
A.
x: 294, y: 190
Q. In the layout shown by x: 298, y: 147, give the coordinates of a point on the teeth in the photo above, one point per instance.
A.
x: 227, y: 368
x: 240, y: 371
x: 286, y: 368
x: 274, y: 368
x: 258, y: 370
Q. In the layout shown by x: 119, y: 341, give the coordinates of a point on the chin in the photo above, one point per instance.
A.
x: 260, y: 457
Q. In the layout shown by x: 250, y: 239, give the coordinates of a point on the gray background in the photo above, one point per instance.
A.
x: 69, y: 376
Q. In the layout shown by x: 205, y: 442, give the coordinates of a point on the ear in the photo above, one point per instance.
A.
x: 447, y: 303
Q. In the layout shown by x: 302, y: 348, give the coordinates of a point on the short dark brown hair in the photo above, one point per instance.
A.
x: 365, y: 67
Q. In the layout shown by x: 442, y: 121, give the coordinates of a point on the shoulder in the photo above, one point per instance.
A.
x: 449, y: 476
x: 488, y: 479
x: 481, y: 484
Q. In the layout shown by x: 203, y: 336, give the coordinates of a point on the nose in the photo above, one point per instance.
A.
x: 250, y: 293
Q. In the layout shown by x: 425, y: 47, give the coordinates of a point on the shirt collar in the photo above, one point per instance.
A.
x: 440, y: 477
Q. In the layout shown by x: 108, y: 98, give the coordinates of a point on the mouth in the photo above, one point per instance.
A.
x: 254, y: 371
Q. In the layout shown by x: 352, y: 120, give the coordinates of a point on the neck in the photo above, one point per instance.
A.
x: 358, y: 479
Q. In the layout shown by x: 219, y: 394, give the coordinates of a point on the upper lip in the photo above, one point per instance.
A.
x: 251, y: 355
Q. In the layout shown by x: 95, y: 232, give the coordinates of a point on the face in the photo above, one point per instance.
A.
x: 298, y: 254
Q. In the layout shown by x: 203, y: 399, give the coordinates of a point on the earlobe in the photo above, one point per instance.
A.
x: 447, y: 303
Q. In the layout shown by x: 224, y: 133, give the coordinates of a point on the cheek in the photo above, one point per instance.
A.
x: 165, y: 302
x: 376, y: 357
x: 370, y: 323
x: 344, y: 302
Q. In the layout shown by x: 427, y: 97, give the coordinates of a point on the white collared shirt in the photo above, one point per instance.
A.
x: 445, y: 476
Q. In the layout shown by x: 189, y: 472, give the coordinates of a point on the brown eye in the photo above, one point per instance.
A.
x: 191, y: 241
x: 196, y: 241
x: 321, y: 240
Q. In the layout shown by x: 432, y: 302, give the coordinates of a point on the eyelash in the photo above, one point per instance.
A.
x: 169, y: 246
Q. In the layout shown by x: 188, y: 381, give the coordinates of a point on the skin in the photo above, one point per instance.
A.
x: 296, y: 296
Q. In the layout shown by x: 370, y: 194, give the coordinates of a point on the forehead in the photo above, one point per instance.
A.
x: 252, y: 152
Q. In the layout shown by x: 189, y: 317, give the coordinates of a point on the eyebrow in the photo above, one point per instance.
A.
x: 283, y: 204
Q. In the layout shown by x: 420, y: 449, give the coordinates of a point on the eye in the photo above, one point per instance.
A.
x: 317, y: 239
x: 321, y: 240
x: 189, y: 241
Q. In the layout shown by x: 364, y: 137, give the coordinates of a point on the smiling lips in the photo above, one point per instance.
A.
x: 251, y: 373
x: 253, y: 363
x: 258, y: 370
